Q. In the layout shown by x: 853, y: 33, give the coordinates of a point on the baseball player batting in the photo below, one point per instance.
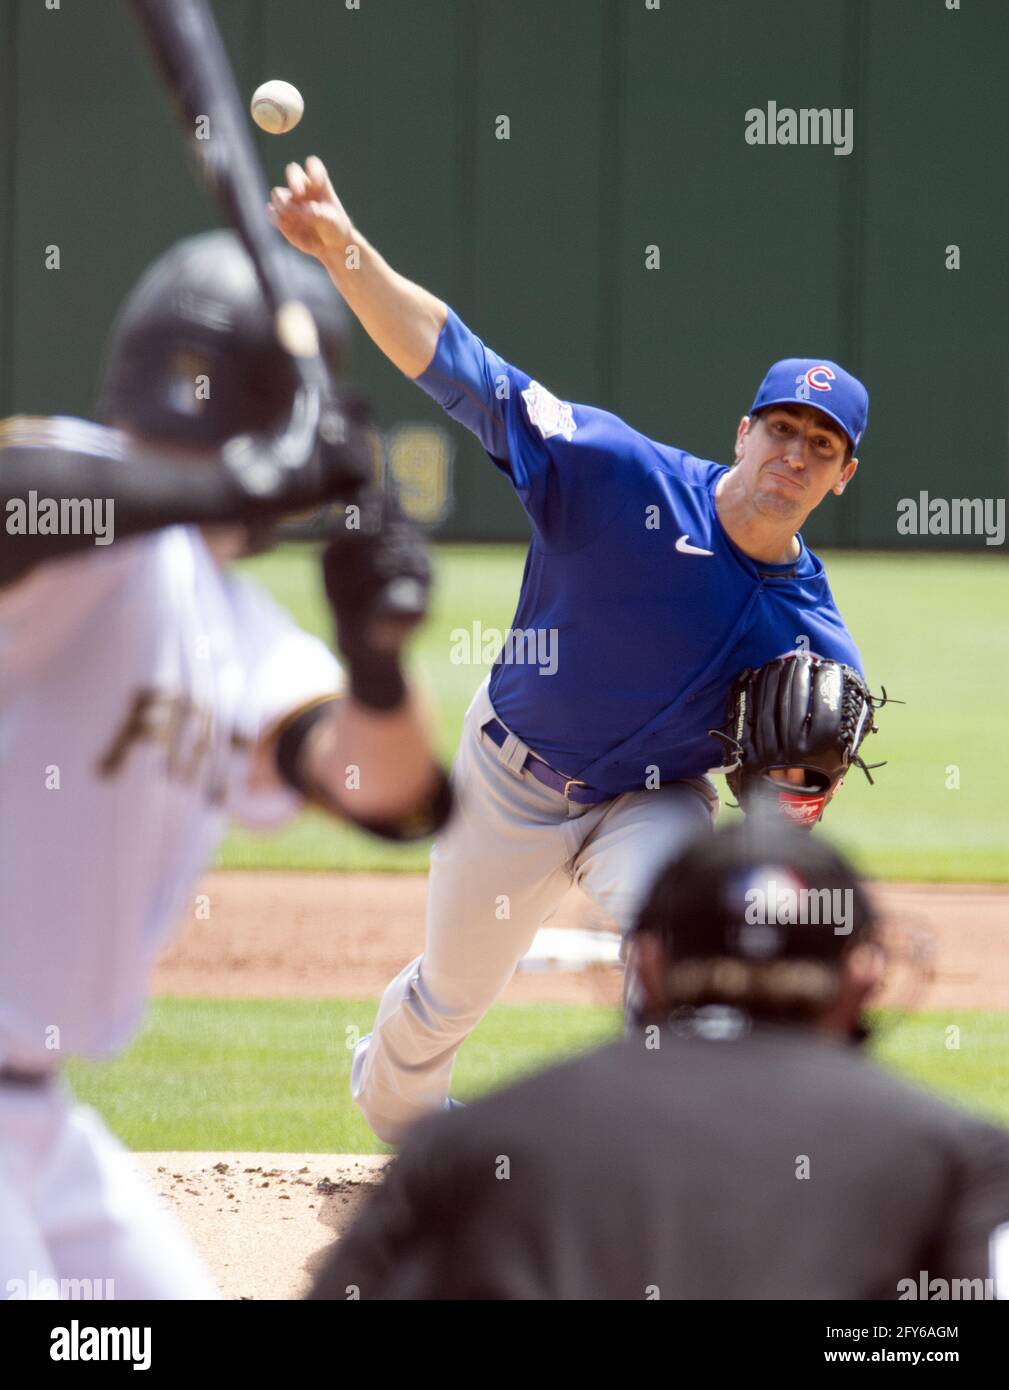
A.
x: 695, y: 631
x: 146, y: 694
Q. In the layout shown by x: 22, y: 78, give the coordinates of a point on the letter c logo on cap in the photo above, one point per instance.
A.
x: 819, y: 378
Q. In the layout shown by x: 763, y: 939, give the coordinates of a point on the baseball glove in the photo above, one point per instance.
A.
x: 797, y: 711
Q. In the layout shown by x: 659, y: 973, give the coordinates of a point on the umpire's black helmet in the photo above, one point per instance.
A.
x: 198, y: 312
x: 760, y: 918
x: 759, y: 890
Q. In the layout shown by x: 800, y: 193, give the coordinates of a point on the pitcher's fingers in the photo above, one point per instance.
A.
x: 286, y: 217
x: 318, y: 177
x: 295, y: 219
x: 296, y: 180
x: 292, y: 219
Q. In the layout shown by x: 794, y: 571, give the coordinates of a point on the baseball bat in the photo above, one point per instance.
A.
x: 195, y: 67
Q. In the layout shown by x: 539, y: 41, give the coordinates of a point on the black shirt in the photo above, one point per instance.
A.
x: 775, y: 1164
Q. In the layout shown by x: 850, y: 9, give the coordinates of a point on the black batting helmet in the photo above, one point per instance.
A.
x: 193, y: 357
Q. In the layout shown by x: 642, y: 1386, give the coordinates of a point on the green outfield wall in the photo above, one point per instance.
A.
x: 625, y: 244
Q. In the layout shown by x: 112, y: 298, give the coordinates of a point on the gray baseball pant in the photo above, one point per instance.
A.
x: 498, y: 872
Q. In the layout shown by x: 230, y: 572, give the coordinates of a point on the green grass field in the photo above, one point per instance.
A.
x: 211, y: 1074
x: 272, y: 1075
x: 931, y: 628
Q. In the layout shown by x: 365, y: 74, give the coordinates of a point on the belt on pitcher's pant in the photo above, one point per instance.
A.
x: 569, y: 787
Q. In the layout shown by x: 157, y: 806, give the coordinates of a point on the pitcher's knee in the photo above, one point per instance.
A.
x: 389, y: 1131
x: 386, y: 1128
x: 402, y: 1070
x: 392, y: 1100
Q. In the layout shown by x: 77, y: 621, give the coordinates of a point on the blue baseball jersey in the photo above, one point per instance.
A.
x: 637, y: 611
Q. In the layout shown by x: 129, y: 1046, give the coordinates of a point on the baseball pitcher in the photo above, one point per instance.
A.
x: 693, y: 629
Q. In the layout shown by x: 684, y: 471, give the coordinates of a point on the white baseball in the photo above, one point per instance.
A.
x: 277, y: 107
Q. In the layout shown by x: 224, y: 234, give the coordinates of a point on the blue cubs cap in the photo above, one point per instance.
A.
x: 824, y: 385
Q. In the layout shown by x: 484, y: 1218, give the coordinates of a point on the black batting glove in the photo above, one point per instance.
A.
x: 378, y: 582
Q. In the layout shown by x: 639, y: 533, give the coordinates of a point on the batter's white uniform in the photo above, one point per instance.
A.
x: 133, y: 682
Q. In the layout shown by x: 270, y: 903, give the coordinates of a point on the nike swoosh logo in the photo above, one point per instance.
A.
x: 685, y: 548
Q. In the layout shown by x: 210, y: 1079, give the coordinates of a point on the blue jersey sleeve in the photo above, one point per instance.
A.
x: 569, y: 464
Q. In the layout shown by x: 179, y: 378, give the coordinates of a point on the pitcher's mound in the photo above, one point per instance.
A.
x: 263, y: 1222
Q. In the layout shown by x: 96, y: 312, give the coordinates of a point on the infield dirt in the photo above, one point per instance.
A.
x: 307, y: 935
x: 263, y: 1222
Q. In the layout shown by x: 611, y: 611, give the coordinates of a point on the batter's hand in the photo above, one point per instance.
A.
x: 378, y: 581
x: 309, y: 213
